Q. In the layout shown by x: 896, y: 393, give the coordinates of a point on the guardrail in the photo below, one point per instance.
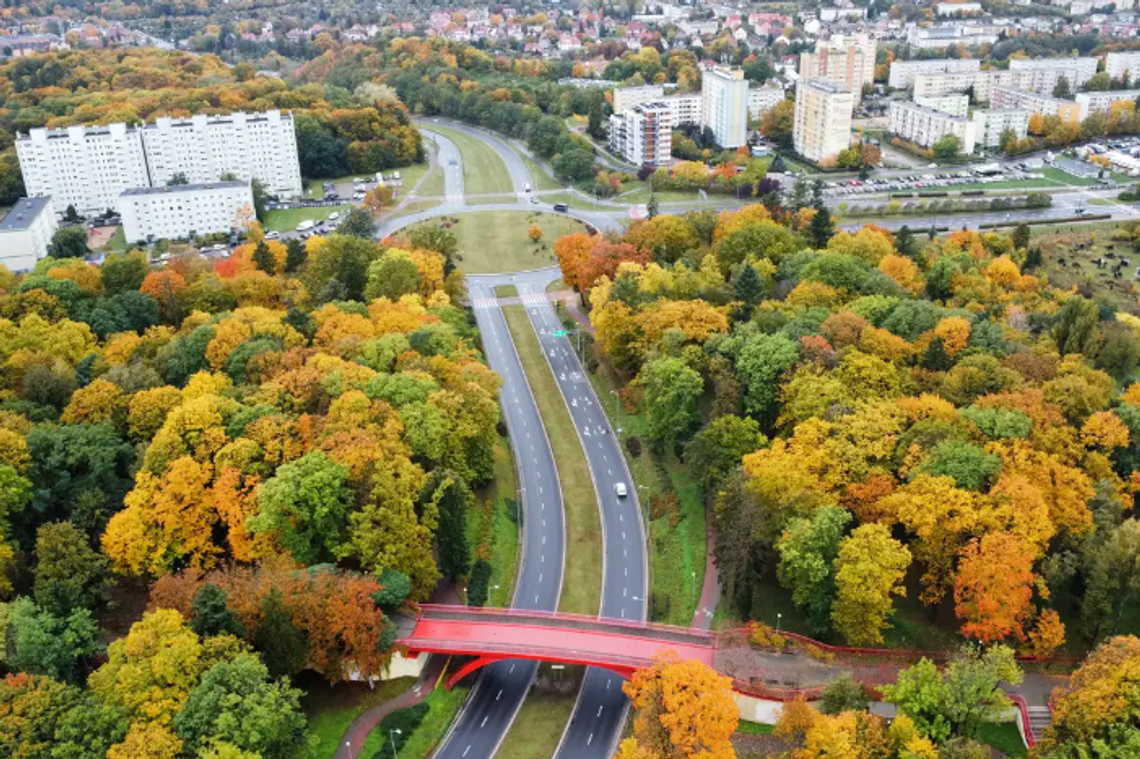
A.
x: 632, y: 625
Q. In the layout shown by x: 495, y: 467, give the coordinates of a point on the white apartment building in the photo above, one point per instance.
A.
x: 84, y: 167
x: 626, y: 98
x: 954, y: 33
x: 183, y: 211
x: 260, y: 146
x: 724, y: 103
x: 761, y: 99
x: 686, y: 108
x: 903, y: 72
x: 822, y: 125
x: 1007, y: 98
x: 937, y: 84
x: 1092, y: 102
x: 26, y: 232
x: 1116, y: 64
x: 844, y: 66
x: 953, y: 105
x: 644, y: 134
x: 1048, y: 70
x: 954, y: 9
x: 990, y: 125
x: 90, y: 167
x: 925, y: 126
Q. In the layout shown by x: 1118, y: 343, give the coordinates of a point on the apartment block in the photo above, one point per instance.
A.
x: 990, y: 125
x: 183, y: 211
x: 90, y: 167
x: 1048, y: 70
x: 937, y: 84
x: 925, y: 126
x: 954, y: 33
x: 686, y: 109
x: 724, y: 103
x: 822, y: 124
x: 952, y: 105
x: 626, y: 98
x: 260, y: 146
x: 1117, y: 64
x: 959, y: 9
x: 761, y: 99
x: 1006, y: 98
x: 843, y: 66
x: 84, y: 167
x: 903, y: 72
x: 644, y: 134
x: 26, y: 232
x: 1093, y: 102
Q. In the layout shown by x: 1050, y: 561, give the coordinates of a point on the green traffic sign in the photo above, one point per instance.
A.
x: 559, y: 333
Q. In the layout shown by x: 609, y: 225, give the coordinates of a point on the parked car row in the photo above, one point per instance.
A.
x: 918, y: 182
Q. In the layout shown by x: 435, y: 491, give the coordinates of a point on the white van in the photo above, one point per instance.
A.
x: 305, y: 226
x: 334, y: 215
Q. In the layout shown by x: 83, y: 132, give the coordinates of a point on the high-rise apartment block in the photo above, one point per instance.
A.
x: 903, y: 72
x: 90, y: 167
x: 182, y: 211
x: 86, y: 168
x: 1094, y: 102
x: 724, y: 102
x: 1117, y: 64
x: 260, y: 146
x: 926, y: 126
x: 843, y: 66
x: 761, y: 99
x: 686, y: 108
x: 26, y: 232
x: 644, y: 134
x: 626, y: 98
x: 990, y: 125
x: 1048, y: 70
x: 1007, y: 98
x: 822, y: 125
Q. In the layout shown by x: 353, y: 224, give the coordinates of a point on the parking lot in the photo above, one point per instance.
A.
x: 925, y: 182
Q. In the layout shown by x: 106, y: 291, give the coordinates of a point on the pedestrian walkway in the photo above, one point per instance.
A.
x: 353, y: 740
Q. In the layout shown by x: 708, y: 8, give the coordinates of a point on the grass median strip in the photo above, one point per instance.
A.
x: 539, y: 724
x: 492, y: 528
x: 582, y: 580
x: 483, y: 170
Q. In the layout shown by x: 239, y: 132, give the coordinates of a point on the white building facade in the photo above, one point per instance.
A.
x: 626, y: 98
x: 686, y: 109
x: 90, y: 167
x: 184, y: 211
x: 26, y: 232
x: 1094, y: 102
x: 761, y: 99
x: 1117, y: 64
x: 724, y: 103
x: 644, y: 134
x: 990, y: 125
x: 952, y: 104
x: 925, y: 126
x: 903, y: 72
x: 84, y: 167
x: 822, y: 124
x: 844, y: 66
x: 260, y: 146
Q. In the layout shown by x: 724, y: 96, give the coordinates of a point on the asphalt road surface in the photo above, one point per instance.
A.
x: 501, y: 688
x: 450, y: 162
x: 600, y: 713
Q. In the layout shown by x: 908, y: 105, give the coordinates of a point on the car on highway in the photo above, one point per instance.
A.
x: 272, y: 235
x: 620, y: 489
x: 533, y: 200
x: 561, y: 207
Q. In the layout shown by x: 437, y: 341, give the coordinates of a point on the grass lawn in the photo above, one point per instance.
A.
x: 539, y: 179
x: 754, y: 728
x: 1062, y: 241
x: 556, y: 285
x: 496, y: 241
x: 676, y: 552
x: 118, y: 241
x: 506, y: 291
x: 332, y: 709
x: 1008, y: 184
x: 574, y: 201
x: 432, y: 186
x: 582, y: 581
x: 443, y: 705
x: 483, y: 171
x: 538, y: 726
x: 287, y: 220
x: 1004, y: 737
x: 492, y: 529
x: 490, y: 199
x: 642, y: 194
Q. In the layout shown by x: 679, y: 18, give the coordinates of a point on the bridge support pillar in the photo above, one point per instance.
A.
x: 468, y: 668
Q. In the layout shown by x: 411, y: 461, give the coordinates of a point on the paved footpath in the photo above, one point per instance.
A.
x: 353, y: 739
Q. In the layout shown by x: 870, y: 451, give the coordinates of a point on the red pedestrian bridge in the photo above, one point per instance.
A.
x: 491, y: 635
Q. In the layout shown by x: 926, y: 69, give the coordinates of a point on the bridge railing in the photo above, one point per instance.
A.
x: 508, y: 650
x: 523, y: 614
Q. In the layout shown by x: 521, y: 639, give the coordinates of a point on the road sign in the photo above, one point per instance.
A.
x: 559, y: 333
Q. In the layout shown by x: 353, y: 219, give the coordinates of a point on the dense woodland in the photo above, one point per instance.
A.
x: 287, y: 441
x: 872, y: 413
x: 339, y: 131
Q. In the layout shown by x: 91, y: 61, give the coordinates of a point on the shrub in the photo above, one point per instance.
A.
x: 479, y: 586
x: 633, y: 445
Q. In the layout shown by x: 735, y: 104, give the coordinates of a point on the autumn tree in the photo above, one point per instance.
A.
x: 994, y: 587
x: 868, y: 571
x: 808, y: 550
x: 671, y: 393
x: 683, y: 709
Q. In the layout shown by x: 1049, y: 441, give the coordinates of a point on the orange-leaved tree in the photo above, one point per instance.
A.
x: 684, y: 709
x: 994, y: 587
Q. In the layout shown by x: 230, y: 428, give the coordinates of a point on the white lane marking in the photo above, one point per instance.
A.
x: 500, y: 694
x: 540, y: 578
x: 484, y: 722
x: 590, y: 739
x: 600, y: 707
x: 467, y: 749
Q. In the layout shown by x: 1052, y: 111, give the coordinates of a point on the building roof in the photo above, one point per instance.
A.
x: 24, y: 213
x: 179, y: 188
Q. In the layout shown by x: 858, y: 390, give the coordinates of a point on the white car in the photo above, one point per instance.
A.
x: 334, y: 215
x: 619, y: 488
x: 272, y: 235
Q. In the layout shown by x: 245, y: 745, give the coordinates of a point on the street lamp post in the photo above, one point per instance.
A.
x: 779, y: 616
x: 617, y: 409
x: 392, y: 734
